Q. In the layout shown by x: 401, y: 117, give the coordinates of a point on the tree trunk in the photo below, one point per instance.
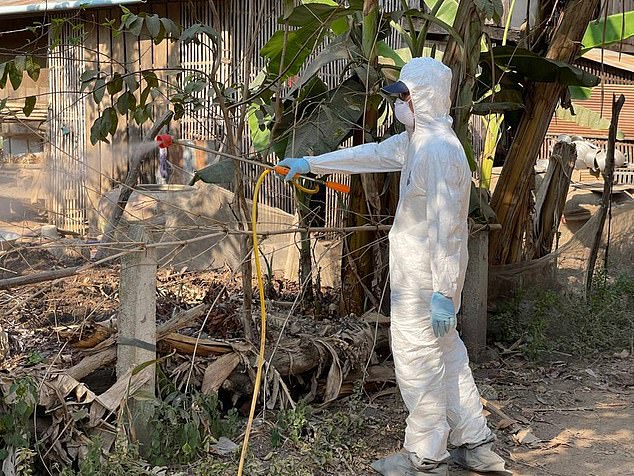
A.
x: 552, y: 198
x: 364, y: 264
x: 464, y: 65
x: 512, y: 195
x: 305, y: 256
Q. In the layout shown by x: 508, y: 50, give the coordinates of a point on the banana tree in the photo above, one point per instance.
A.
x: 309, y: 118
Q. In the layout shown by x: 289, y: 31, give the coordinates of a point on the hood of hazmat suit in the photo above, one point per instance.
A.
x: 428, y: 253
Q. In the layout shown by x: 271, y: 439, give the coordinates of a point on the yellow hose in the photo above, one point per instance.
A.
x: 258, y: 273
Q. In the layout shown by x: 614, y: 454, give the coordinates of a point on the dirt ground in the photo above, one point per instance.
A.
x: 572, y: 417
x: 561, y: 416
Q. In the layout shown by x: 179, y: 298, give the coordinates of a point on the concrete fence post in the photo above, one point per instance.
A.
x: 473, y: 322
x: 137, y: 325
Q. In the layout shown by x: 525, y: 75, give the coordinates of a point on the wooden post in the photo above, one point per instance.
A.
x: 137, y: 325
x: 608, y: 180
x: 473, y: 318
x: 551, y: 198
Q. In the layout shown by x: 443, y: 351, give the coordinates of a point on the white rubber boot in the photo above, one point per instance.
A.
x: 400, y: 464
x: 480, y: 458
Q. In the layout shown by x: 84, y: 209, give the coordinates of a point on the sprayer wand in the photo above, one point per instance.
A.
x: 166, y: 140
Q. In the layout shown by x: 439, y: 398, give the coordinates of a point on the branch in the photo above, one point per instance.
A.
x: 608, y: 179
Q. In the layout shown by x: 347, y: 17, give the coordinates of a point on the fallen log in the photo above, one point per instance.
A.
x: 107, y: 357
x: 199, y: 347
x: 92, y: 363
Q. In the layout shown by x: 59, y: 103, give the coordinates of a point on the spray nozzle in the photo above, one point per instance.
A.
x: 164, y: 140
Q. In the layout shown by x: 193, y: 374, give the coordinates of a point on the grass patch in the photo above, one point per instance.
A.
x: 545, y: 320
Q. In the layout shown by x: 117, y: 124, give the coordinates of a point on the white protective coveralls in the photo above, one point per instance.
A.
x: 428, y: 252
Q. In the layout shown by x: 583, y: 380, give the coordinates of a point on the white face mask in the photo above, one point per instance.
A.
x: 404, y: 114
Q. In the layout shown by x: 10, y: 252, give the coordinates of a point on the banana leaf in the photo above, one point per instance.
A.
x: 446, y: 12
x: 618, y: 27
x: 220, y: 172
x: 586, y: 117
x: 502, y: 101
x: 330, y: 123
x: 537, y: 68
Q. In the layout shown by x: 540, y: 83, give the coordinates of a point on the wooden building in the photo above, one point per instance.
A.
x: 79, y: 173
x: 617, y: 73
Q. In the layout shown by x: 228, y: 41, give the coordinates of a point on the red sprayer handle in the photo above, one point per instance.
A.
x: 164, y: 140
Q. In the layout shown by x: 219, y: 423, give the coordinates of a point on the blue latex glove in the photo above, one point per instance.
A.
x: 443, y: 315
x: 295, y: 166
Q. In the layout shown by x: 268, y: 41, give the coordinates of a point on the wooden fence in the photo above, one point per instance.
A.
x: 81, y: 172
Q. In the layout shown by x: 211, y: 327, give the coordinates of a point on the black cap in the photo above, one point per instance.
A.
x: 398, y: 87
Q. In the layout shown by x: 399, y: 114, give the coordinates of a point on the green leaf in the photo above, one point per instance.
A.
x: 136, y: 26
x: 220, y: 172
x: 29, y: 105
x: 491, y: 9
x: 20, y: 63
x: 15, y: 75
x: 537, y: 68
x: 151, y: 79
x: 99, y: 131
x: 179, y: 111
x: 446, y: 12
x: 89, y: 75
x: 112, y: 119
x: 399, y: 56
x: 115, y: 85
x: 578, y: 92
x: 32, y: 68
x: 313, y: 20
x: 171, y: 29
x: 100, y: 90
x: 299, y: 45
x: 126, y: 102
x: 141, y: 115
x: 3, y: 103
x: 144, y: 95
x: 260, y: 138
x: 192, y: 33
x: 160, y: 36
x: 619, y: 27
x: 4, y: 70
x: 131, y: 82
x: 338, y: 49
x: 153, y: 23
x: 317, y: 14
x: 195, y: 87
x: 330, y: 123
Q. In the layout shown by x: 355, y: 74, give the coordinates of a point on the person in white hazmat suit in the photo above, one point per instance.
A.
x: 428, y: 260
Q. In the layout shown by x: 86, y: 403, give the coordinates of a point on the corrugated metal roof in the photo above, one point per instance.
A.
x: 626, y: 118
x: 613, y: 58
x: 15, y: 7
